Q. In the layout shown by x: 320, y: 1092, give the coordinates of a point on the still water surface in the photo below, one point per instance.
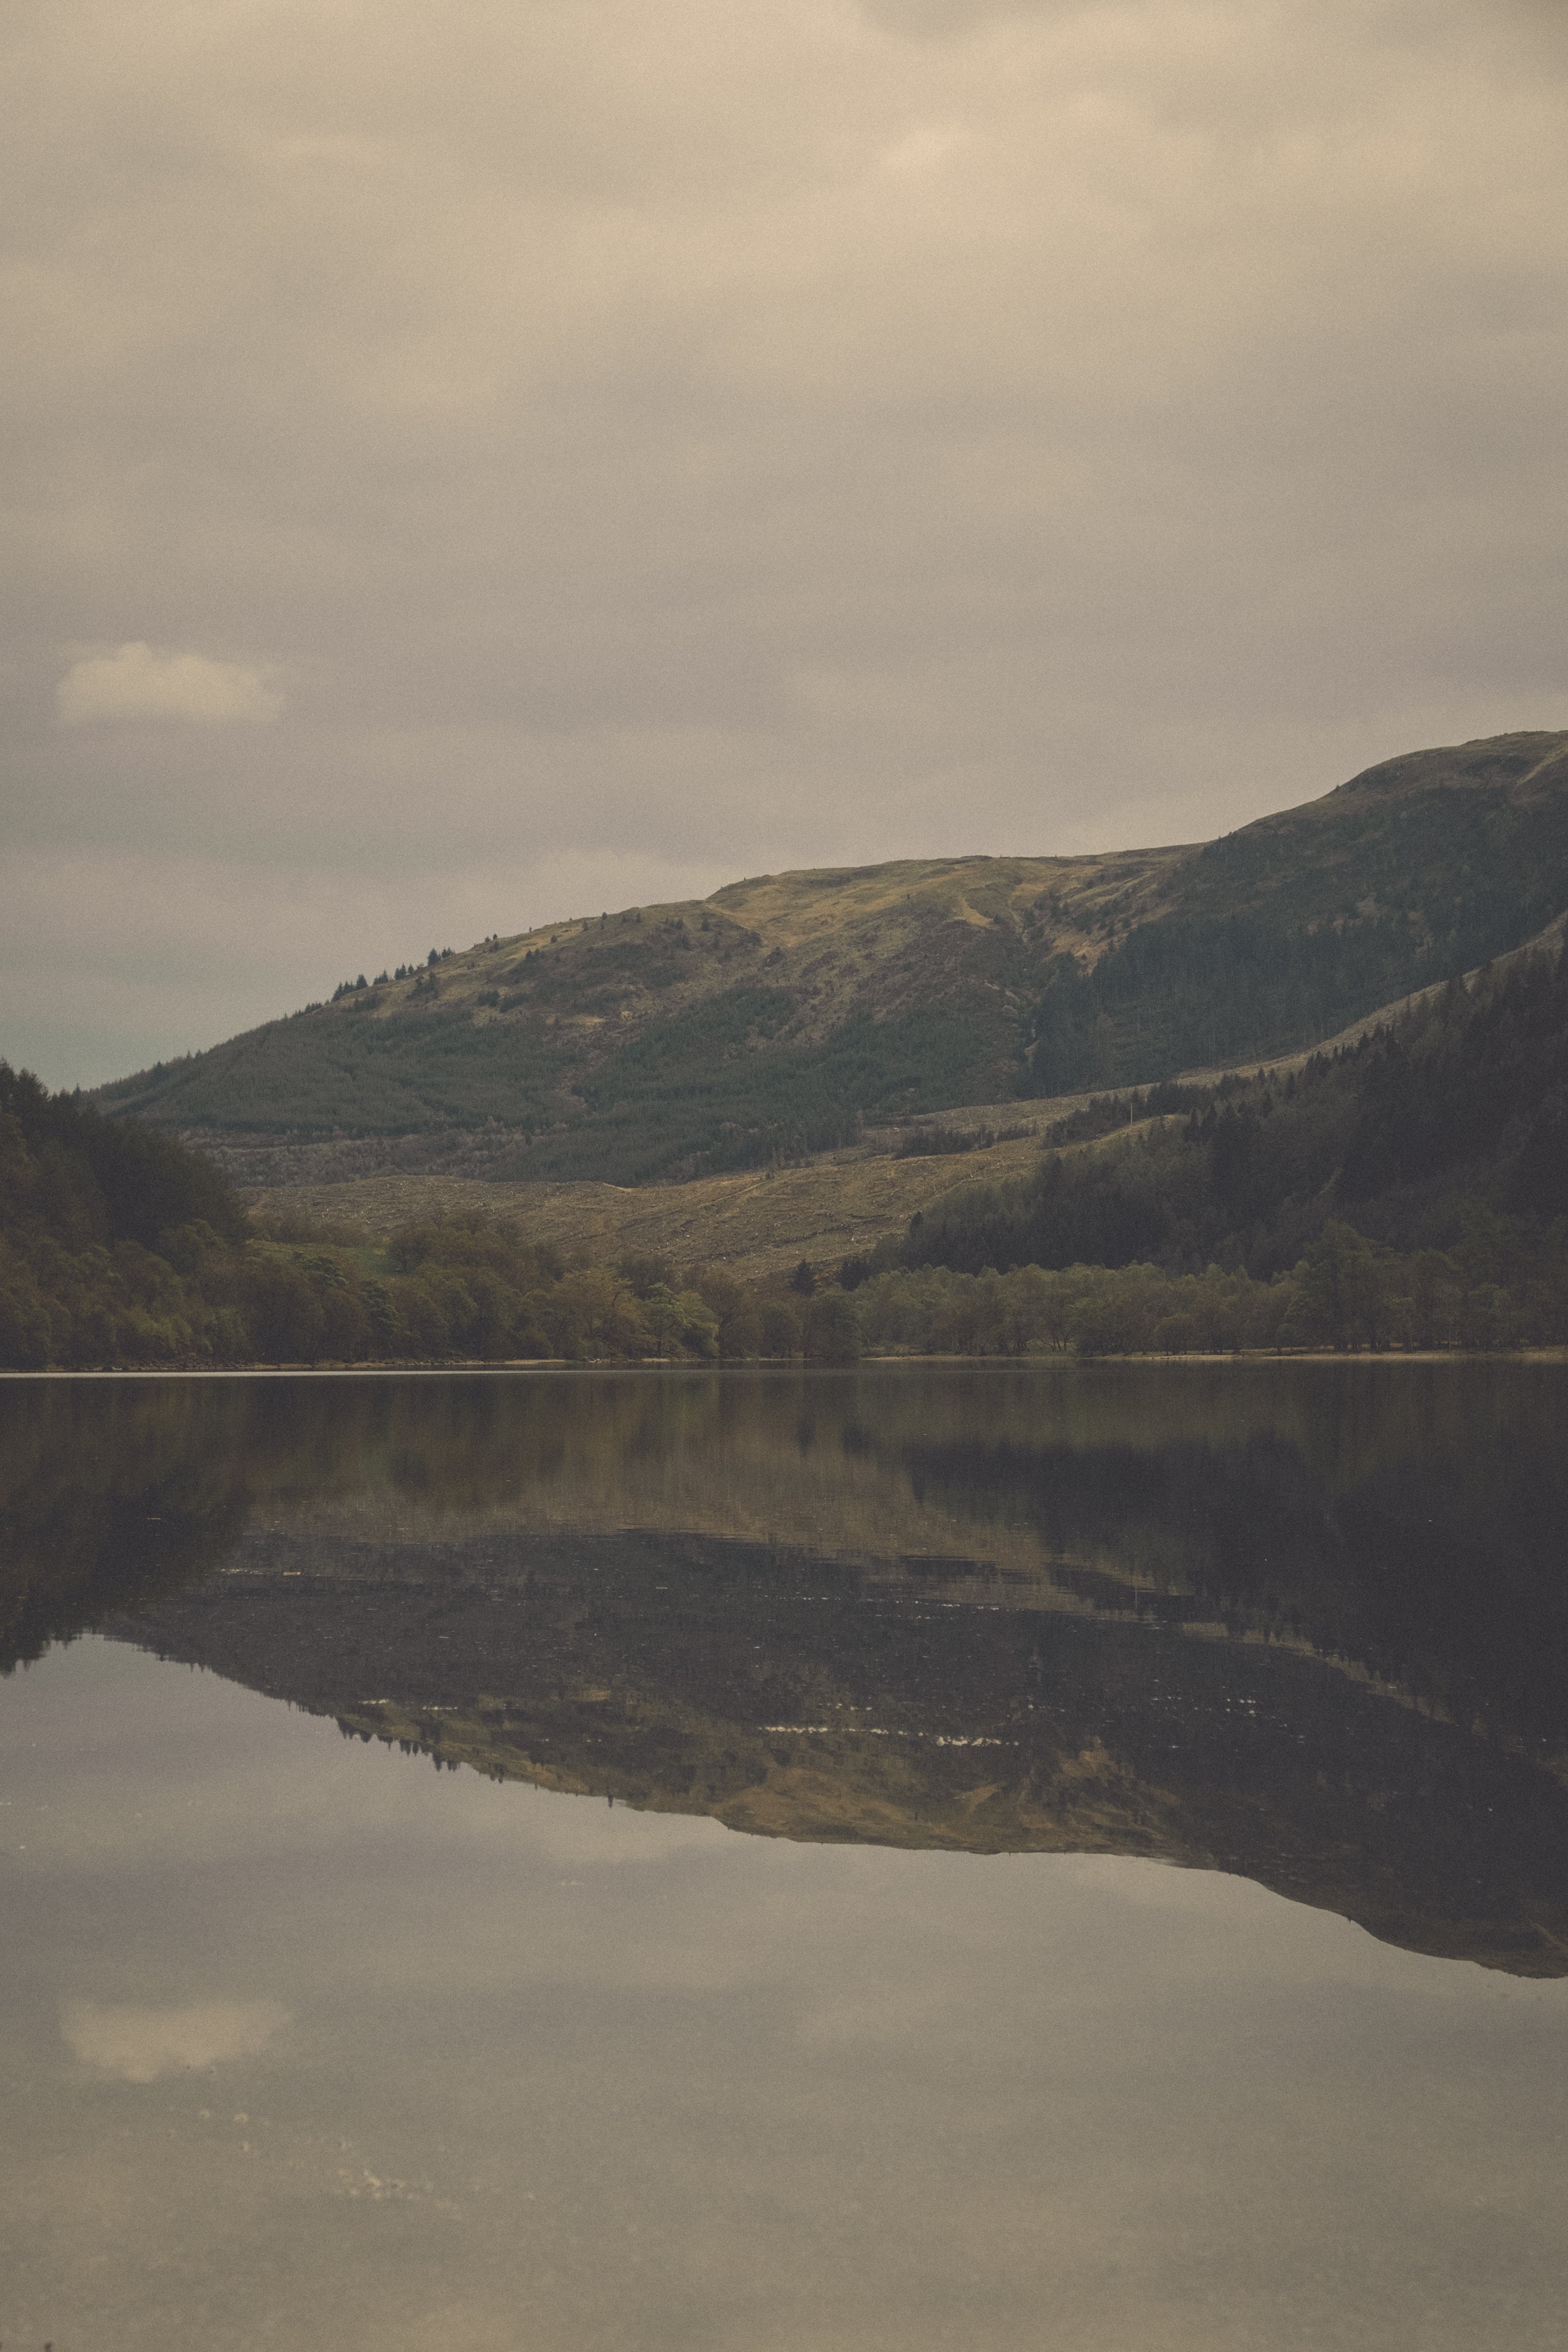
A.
x: 1070, y: 1857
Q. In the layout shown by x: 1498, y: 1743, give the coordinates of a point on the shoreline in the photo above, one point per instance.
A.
x: 1061, y: 1359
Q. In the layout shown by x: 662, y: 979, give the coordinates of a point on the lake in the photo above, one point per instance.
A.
x: 919, y: 1856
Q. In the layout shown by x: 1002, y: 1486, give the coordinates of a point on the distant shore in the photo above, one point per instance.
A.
x: 1056, y: 1360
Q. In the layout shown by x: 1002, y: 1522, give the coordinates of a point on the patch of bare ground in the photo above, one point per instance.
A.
x: 756, y: 1222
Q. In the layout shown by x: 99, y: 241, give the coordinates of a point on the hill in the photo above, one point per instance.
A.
x: 785, y: 1013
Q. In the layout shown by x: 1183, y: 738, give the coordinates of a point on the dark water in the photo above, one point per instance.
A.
x: 787, y: 1953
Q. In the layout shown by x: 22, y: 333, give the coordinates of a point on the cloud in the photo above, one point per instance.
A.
x: 135, y: 682
x: 137, y: 2045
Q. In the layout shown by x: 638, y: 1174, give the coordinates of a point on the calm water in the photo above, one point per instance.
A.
x: 1074, y: 1857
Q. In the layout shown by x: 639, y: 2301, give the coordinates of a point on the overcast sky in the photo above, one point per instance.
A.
x: 476, y: 462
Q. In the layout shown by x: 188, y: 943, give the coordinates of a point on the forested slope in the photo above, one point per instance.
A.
x: 1288, y: 930
x: 1453, y: 1119
x: 119, y: 1246
x: 784, y: 1013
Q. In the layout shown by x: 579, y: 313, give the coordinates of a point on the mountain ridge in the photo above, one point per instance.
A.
x: 784, y: 1013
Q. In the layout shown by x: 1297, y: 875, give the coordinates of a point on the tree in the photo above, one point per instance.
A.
x: 1338, y: 1293
x: 608, y: 1316
x: 737, y: 1323
x: 665, y: 1318
x: 779, y: 1332
x: 832, y: 1330
x: 699, y: 1328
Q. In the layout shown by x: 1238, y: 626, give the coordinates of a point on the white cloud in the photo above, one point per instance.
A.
x: 139, y: 2044
x: 137, y: 682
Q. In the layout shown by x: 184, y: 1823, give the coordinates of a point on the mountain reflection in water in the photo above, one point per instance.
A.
x: 1302, y: 1622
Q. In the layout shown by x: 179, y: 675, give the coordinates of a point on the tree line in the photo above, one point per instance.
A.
x: 120, y: 1246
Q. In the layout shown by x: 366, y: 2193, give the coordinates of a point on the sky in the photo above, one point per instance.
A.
x: 469, y: 465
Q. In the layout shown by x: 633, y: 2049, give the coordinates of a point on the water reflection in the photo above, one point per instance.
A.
x: 1305, y: 1624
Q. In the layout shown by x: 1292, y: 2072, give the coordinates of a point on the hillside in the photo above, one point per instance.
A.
x: 940, y: 1179
x: 754, y: 1222
x: 785, y: 1013
x: 1445, y: 1128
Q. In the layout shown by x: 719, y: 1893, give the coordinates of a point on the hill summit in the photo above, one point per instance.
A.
x: 787, y: 1011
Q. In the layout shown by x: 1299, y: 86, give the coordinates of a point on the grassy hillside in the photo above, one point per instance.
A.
x: 779, y: 1016
x: 668, y: 1041
x: 753, y: 1222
